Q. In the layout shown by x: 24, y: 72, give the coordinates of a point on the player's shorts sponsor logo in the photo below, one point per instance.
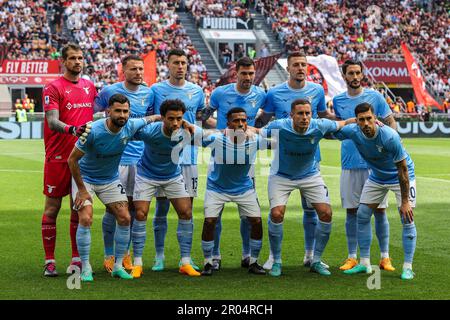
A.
x: 50, y: 188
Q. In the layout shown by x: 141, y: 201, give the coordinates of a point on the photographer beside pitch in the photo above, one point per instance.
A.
x: 391, y: 169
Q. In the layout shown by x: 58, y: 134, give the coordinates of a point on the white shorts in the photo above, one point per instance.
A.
x: 312, y: 188
x: 352, y: 183
x: 145, y: 189
x: 107, y: 193
x: 248, y: 205
x: 375, y: 193
x: 190, y: 176
x: 127, y: 176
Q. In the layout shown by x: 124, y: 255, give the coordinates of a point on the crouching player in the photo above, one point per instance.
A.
x: 294, y: 167
x: 391, y: 169
x: 94, y: 168
x: 233, y: 153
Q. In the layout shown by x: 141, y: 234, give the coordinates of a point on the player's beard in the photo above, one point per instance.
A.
x: 74, y: 72
x: 119, y: 122
x: 350, y: 84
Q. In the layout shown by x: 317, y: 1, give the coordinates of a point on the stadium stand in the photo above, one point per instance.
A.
x: 355, y: 29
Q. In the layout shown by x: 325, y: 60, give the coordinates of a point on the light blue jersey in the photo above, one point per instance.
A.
x: 194, y: 100
x: 279, y: 100
x: 225, y: 98
x: 141, y: 105
x: 344, y: 107
x: 295, y: 156
x: 160, y: 160
x: 103, y: 150
x: 381, y: 152
x: 232, y: 163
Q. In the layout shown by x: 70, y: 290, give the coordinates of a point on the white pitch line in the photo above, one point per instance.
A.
x: 19, y: 170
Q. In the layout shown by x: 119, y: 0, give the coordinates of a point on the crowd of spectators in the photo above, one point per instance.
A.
x: 24, y: 29
x: 354, y: 29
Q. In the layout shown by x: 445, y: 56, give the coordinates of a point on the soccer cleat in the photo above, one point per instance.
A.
x: 348, y: 264
x: 386, y: 264
x: 137, y: 271
x: 319, y: 268
x: 158, y: 265
x: 269, y: 263
x: 187, y: 269
x: 216, y: 264
x: 307, y: 263
x: 196, y: 267
x: 108, y: 264
x: 359, y: 268
x: 275, y: 271
x: 72, y: 266
x: 407, y: 274
x: 86, y: 276
x: 255, y: 268
x: 50, y: 270
x: 127, y: 264
x: 207, y: 270
x: 245, y: 263
x: 122, y: 274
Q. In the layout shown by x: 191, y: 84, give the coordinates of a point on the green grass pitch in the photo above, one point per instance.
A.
x: 21, y: 207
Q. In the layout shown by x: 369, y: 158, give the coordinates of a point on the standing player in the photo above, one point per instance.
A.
x: 233, y: 154
x: 278, y: 103
x: 141, y: 102
x: 294, y: 167
x: 68, y: 105
x: 251, y: 98
x: 194, y: 100
x: 391, y: 169
x: 95, y: 169
x: 354, y: 169
x: 159, y: 169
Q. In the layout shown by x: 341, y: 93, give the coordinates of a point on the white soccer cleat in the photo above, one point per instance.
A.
x: 269, y: 263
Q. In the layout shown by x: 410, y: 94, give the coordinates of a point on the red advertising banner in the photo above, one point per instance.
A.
x: 422, y: 95
x: 22, y: 67
x: 27, y: 79
x: 388, y: 71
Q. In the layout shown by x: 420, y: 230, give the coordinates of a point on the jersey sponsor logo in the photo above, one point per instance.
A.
x: 47, y: 99
x: 79, y: 105
x: 86, y: 89
x: 50, y: 189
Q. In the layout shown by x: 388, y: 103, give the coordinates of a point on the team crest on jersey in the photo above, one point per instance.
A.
x: 190, y: 94
x: 143, y: 102
x: 125, y: 141
x: 50, y: 188
x: 86, y: 89
x: 253, y: 103
x: 312, y: 140
x: 47, y: 99
x: 380, y: 148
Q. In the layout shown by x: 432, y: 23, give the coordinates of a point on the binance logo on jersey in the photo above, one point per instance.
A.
x: 79, y: 105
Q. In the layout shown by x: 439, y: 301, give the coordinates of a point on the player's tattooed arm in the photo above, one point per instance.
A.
x: 390, y: 121
x: 153, y: 118
x: 53, y: 121
x: 403, y: 178
x: 326, y: 114
x: 82, y: 194
x: 57, y: 125
x: 263, y: 118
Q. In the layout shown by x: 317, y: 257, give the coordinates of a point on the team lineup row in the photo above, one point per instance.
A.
x: 94, y: 165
